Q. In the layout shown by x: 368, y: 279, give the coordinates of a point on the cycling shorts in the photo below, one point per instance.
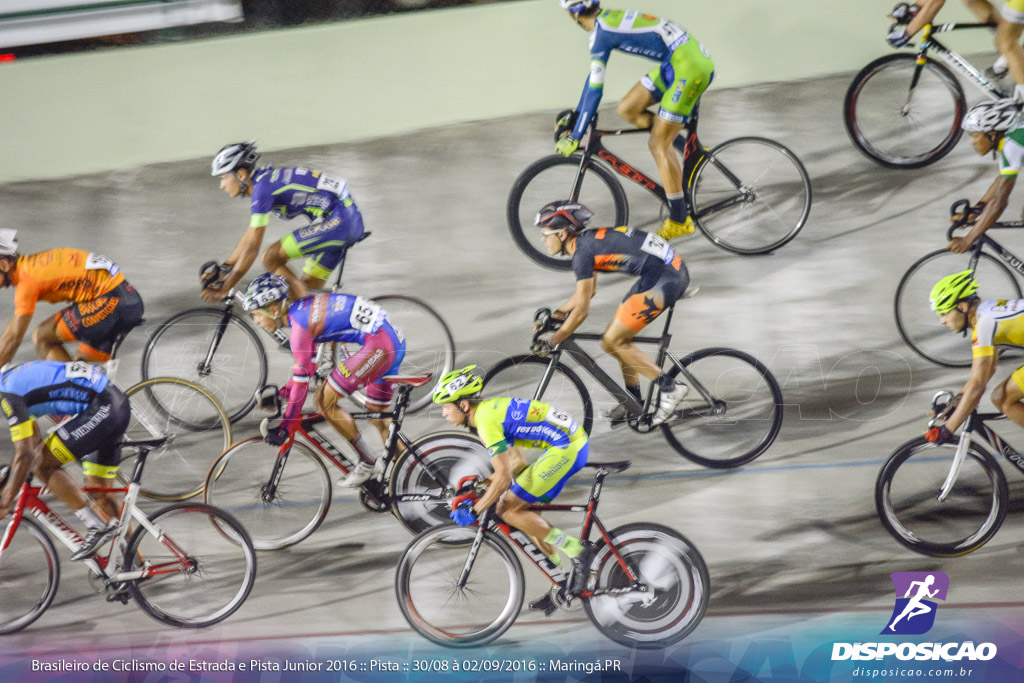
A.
x: 1018, y: 377
x: 1013, y: 11
x: 97, y: 323
x: 678, y: 83
x: 657, y: 288
x: 542, y: 481
x: 381, y: 355
x: 322, y: 243
x: 93, y: 437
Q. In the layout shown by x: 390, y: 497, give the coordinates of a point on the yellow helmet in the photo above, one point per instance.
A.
x: 951, y: 290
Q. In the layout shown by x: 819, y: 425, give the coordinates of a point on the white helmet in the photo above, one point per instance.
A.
x: 235, y: 156
x: 8, y: 242
x: 991, y: 115
x: 577, y: 5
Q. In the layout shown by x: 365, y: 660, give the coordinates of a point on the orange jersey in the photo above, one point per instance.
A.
x: 62, y: 275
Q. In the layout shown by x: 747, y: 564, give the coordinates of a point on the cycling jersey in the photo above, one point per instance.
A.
x: 295, y: 191
x: 1013, y: 11
x: 1011, y: 152
x: 1000, y: 323
x: 62, y: 275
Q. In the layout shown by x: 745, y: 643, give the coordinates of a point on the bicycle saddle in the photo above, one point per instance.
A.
x: 411, y: 380
x: 144, y: 443
x: 612, y: 467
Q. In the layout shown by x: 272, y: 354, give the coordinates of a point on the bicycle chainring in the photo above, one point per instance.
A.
x: 373, y: 498
x: 564, y: 602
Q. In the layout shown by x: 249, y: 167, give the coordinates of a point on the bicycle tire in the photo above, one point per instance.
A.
x: 745, y: 400
x: 774, y: 195
x: 178, y: 347
x: 926, y: 482
x: 179, y: 466
x: 525, y: 236
x: 16, y: 567
x: 917, y: 323
x: 655, y: 624
x: 153, y: 594
x: 859, y: 106
x: 560, y: 394
x: 444, y: 458
x: 446, y: 546
x: 236, y: 484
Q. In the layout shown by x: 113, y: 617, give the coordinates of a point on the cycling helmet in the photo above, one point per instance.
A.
x: 577, y: 5
x: 951, y: 290
x: 8, y: 242
x: 235, y: 156
x: 564, y: 215
x: 991, y: 115
x: 266, y: 289
x: 458, y: 384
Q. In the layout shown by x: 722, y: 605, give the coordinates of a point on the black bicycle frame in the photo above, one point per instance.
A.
x: 976, y: 423
x: 1002, y: 252
x: 929, y: 42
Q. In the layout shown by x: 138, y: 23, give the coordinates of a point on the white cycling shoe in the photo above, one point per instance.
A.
x: 668, y: 402
x: 362, y: 473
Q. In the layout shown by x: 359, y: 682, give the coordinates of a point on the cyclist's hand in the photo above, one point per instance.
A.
x: 959, y: 245
x: 564, y: 123
x: 939, y: 435
x: 464, y: 515
x: 541, y: 347
x: 276, y: 436
x: 897, y: 36
x: 212, y: 296
x: 566, y: 146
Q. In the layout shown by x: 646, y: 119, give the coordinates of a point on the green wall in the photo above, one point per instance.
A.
x: 118, y: 108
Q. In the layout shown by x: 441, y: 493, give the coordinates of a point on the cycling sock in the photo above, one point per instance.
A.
x: 665, y: 382
x: 570, y: 545
x: 677, y: 210
x: 90, y: 518
x: 635, y: 391
x: 362, y: 449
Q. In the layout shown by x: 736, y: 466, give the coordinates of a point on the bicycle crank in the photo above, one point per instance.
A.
x: 373, y: 498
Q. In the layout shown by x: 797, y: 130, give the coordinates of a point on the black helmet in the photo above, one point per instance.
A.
x: 564, y: 215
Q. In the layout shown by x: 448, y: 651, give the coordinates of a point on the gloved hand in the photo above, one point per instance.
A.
x: 939, y: 435
x: 276, y: 436
x: 566, y: 146
x: 464, y: 515
x: 897, y: 36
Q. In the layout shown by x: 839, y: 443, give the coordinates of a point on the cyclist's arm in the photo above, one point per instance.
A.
x: 982, y: 369
x: 12, y: 337
x: 502, y: 478
x: 578, y: 307
x: 925, y: 15
x: 303, y: 347
x: 995, y: 200
x: 27, y: 451
x: 241, y: 259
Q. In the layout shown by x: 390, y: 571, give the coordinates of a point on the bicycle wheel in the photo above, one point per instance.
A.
x: 907, y: 491
x: 238, y: 368
x: 750, y: 195
x: 918, y: 324
x: 209, y: 563
x: 549, y: 179
x: 520, y: 377
x: 669, y: 566
x: 196, y: 427
x: 897, y: 127
x: 239, y: 480
x: 434, y: 465
x: 732, y: 412
x: 429, y: 345
x: 438, y: 608
x: 29, y: 575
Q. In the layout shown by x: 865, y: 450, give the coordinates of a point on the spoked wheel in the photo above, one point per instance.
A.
x: 520, y: 377
x: 208, y: 563
x: 438, y: 607
x: 550, y: 179
x: 240, y: 483
x: 29, y: 574
x: 900, y: 127
x: 750, y: 195
x: 918, y: 324
x: 731, y: 413
x: 197, y: 431
x: 434, y: 465
x: 672, y: 583
x: 907, y: 498
x: 236, y: 370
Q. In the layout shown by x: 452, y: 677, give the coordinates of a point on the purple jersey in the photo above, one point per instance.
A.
x: 295, y: 191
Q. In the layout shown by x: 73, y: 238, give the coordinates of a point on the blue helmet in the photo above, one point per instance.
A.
x: 266, y: 289
x: 575, y: 6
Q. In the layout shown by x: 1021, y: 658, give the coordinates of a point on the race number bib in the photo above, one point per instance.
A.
x: 673, y: 35
x: 561, y: 419
x: 658, y: 247
x: 331, y: 184
x: 101, y: 262
x: 77, y: 370
x: 365, y: 316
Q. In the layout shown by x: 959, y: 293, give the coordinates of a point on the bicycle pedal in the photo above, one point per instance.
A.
x: 119, y: 594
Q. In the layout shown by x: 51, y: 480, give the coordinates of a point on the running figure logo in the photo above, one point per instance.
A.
x: 914, y: 613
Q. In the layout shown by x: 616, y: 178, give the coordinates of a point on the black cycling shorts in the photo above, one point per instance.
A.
x: 93, y: 437
x: 97, y: 323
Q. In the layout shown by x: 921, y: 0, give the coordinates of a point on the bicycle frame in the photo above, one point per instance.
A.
x: 1002, y: 252
x: 958, y: 63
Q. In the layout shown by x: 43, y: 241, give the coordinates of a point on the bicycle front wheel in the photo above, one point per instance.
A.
x: 29, y: 575
x: 550, y: 179
x: 186, y: 346
x: 907, y: 498
x: 441, y: 610
x: 433, y: 466
x: 899, y: 124
x: 668, y: 566
x: 196, y: 427
x: 199, y: 565
x: 750, y: 195
x: 521, y: 377
x: 731, y: 413
x: 240, y: 483
x: 918, y: 324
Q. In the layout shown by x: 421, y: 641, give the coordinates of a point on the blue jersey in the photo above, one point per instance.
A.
x: 49, y: 388
x: 295, y: 191
x: 336, y: 317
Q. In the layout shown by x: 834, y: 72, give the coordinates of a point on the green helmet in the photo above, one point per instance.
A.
x: 951, y: 290
x: 457, y: 384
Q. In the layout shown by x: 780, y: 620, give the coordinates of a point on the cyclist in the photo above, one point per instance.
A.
x: 684, y: 72
x: 332, y: 318
x: 661, y: 279
x: 506, y: 426
x: 992, y: 323
x: 92, y: 437
x: 103, y: 306
x: 290, y: 191
x: 994, y: 127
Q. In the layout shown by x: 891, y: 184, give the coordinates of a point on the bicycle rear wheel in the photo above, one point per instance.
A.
x: 29, y: 575
x: 438, y: 608
x: 520, y: 377
x: 210, y: 561
x: 196, y: 428
x: 732, y: 411
x: 897, y: 127
x: 672, y: 570
x: 750, y: 195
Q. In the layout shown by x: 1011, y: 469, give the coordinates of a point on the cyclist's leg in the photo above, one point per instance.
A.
x: 275, y: 259
x: 1007, y: 396
x: 634, y: 106
x: 321, y: 244
x: 50, y: 335
x: 1008, y: 35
